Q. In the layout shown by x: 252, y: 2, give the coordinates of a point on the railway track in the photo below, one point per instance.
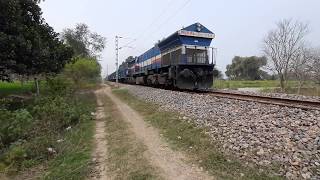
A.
x: 294, y: 103
x: 302, y: 104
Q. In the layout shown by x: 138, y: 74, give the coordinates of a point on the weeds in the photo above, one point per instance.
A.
x: 234, y: 84
x: 54, y: 129
x: 74, y: 152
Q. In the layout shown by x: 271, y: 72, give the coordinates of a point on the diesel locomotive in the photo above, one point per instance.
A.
x: 184, y: 60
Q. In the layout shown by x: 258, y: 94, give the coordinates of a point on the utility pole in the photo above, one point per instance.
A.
x: 107, y: 73
x: 117, y: 58
x: 117, y: 55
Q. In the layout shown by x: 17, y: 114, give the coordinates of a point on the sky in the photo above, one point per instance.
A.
x: 239, y: 25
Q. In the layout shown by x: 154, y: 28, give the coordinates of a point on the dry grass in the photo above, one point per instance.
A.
x: 125, y: 159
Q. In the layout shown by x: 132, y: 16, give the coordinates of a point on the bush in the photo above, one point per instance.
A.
x: 59, y: 86
x: 29, y: 127
x: 83, y: 71
x: 12, y: 104
x: 14, y: 125
x: 13, y: 156
x: 56, y: 112
x: 26, y: 134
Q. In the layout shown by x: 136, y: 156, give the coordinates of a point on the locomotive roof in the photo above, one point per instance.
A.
x: 195, y: 34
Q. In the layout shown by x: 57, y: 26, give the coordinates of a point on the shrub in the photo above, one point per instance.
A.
x: 12, y: 104
x: 56, y: 112
x: 26, y: 135
x: 13, y: 157
x: 16, y: 154
x: 83, y: 71
x: 14, y: 125
x: 59, y: 85
x: 29, y: 127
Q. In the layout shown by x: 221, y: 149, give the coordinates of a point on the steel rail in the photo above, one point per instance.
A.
x: 294, y: 103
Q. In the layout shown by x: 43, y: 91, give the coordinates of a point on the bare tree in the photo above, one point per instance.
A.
x: 281, y: 46
x: 301, y: 66
x: 315, y: 69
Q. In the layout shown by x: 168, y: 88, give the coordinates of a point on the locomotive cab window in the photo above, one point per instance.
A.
x: 197, y: 56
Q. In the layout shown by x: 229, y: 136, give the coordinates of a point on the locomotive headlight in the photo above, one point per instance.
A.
x: 199, y: 27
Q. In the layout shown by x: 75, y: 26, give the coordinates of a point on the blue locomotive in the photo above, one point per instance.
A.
x: 184, y: 60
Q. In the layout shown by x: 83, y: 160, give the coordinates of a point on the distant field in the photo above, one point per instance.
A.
x: 14, y: 88
x: 233, y: 84
x: 309, y: 88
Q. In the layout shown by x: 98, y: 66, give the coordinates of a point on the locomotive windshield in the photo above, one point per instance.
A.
x: 197, y: 56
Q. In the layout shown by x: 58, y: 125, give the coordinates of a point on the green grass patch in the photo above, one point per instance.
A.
x: 28, y: 132
x: 306, y: 91
x: 234, y: 84
x: 309, y: 89
x: 7, y: 88
x: 125, y: 152
x: 195, y: 142
x: 74, y: 155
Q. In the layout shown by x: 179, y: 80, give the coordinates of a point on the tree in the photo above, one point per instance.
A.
x: 301, y: 66
x: 84, y: 42
x: 217, y: 74
x: 83, y: 70
x: 29, y: 46
x: 246, y: 68
x: 281, y: 46
x: 38, y: 1
x: 315, y: 68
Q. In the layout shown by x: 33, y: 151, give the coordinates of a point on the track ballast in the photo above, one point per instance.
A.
x: 294, y: 103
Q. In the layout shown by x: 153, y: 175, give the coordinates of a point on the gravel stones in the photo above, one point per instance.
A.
x: 279, y: 95
x: 259, y: 133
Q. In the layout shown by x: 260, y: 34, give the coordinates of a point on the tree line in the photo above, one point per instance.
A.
x: 286, y: 55
x: 64, y: 63
x: 30, y: 48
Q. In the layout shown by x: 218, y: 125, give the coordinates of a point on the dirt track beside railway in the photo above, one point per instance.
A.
x: 172, y: 164
x: 169, y: 163
x: 100, y: 152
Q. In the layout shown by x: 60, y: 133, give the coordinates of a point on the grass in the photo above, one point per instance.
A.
x: 7, y: 88
x: 73, y: 163
x: 204, y: 152
x: 73, y: 154
x: 74, y: 157
x: 125, y: 159
x: 234, y: 84
x: 309, y: 89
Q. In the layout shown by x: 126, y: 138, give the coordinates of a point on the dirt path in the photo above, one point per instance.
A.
x: 172, y: 164
x: 100, y: 152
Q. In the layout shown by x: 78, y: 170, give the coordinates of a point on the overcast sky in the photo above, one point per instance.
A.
x: 239, y: 25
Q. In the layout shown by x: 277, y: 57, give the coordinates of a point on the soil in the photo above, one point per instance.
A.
x: 100, y: 153
x: 170, y: 163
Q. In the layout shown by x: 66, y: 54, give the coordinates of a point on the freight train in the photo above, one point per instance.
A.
x: 184, y: 60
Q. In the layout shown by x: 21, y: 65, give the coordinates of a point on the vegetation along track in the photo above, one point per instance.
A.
x: 302, y: 104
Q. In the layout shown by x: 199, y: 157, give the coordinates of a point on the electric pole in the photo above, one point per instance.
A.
x: 117, y: 58
x: 107, y: 76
